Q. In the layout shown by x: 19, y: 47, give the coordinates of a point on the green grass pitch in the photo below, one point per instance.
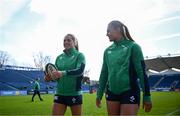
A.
x: 164, y: 103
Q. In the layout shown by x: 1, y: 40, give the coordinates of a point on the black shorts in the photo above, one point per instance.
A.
x: 127, y: 97
x: 68, y: 100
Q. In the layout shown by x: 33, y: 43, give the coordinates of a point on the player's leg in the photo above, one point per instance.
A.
x: 76, y: 110
x: 60, y: 105
x: 75, y: 103
x: 113, y: 103
x: 129, y: 109
x: 39, y: 95
x: 59, y: 109
x: 113, y: 107
x: 34, y: 94
x: 130, y: 103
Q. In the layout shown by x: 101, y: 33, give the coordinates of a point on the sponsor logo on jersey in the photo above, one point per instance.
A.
x: 109, y: 52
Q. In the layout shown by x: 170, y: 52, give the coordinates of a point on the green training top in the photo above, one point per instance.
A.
x: 72, y: 63
x: 36, y: 85
x: 123, y: 64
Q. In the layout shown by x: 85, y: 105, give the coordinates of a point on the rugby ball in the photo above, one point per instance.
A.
x: 49, y: 68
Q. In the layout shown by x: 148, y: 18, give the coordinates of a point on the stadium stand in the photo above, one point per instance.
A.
x: 4, y: 86
x: 20, y: 78
x: 163, y: 72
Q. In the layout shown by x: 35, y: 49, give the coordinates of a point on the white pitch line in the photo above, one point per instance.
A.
x: 169, y: 114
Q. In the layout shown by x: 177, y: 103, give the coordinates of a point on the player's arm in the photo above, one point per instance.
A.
x: 139, y: 64
x: 78, y: 71
x: 103, y: 79
x: 35, y: 85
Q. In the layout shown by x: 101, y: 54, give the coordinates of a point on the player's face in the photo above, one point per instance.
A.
x: 113, y: 34
x: 68, y: 42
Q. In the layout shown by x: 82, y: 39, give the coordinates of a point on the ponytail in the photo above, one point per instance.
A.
x: 126, y: 33
x: 76, y: 45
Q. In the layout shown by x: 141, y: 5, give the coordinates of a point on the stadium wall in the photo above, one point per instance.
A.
x: 12, y: 93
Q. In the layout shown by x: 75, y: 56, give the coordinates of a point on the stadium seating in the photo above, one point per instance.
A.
x: 20, y: 79
x: 153, y: 79
x: 165, y: 81
x: 13, y: 79
x: 4, y: 87
x: 168, y: 81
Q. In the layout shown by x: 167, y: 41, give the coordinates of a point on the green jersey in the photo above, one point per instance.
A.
x: 123, y: 65
x: 72, y: 64
x: 36, y: 86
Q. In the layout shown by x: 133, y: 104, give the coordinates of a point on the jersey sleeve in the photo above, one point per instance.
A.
x: 103, y: 79
x: 78, y: 71
x: 138, y: 61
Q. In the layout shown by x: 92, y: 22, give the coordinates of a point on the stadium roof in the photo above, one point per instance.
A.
x: 160, y: 64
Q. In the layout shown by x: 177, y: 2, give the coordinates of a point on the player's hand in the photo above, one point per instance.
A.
x: 57, y: 74
x: 147, y: 106
x: 47, y: 78
x: 98, y: 103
